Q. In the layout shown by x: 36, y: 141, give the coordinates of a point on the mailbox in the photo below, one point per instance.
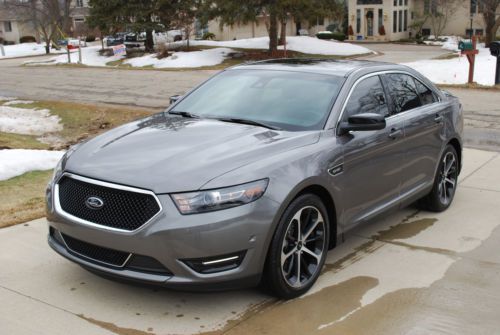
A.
x: 495, y: 49
x: 465, y: 45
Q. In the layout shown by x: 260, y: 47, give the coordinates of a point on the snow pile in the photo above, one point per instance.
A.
x: 456, y: 70
x: 304, y: 44
x: 25, y: 49
x: 28, y: 121
x: 15, y: 162
x: 90, y: 56
x: 181, y: 59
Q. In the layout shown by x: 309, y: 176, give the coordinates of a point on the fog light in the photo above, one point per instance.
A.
x: 216, y: 263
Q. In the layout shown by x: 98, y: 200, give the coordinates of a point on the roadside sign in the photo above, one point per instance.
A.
x: 119, y: 50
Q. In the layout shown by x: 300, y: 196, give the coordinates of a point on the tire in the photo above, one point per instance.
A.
x: 445, y: 182
x: 291, y: 254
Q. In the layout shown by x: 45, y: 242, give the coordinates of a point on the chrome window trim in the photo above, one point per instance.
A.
x: 60, y: 211
x: 93, y: 259
x: 378, y: 73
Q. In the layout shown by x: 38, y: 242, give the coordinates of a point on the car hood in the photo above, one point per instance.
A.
x: 166, y: 153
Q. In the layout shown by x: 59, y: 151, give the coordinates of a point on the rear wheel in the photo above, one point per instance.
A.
x: 445, y: 182
x: 299, y: 247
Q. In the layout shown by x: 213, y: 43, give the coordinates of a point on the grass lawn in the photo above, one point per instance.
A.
x: 79, y: 122
x: 22, y: 197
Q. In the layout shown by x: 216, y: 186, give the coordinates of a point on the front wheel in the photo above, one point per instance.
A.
x: 445, y: 182
x: 299, y: 247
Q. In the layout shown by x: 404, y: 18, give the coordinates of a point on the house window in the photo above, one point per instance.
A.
x: 7, y: 26
x: 468, y: 32
x: 406, y: 20
x: 400, y: 22
x: 395, y: 2
x: 479, y: 32
x: 473, y: 6
x: 79, y: 3
x: 427, y: 6
x: 412, y: 15
x: 320, y: 21
x: 401, y: 2
x: 79, y: 19
x: 358, y: 21
x: 406, y: 2
x: 380, y: 18
x: 395, y: 21
x: 426, y: 32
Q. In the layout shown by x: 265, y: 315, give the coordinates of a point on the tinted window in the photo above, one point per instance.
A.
x: 367, y: 97
x: 403, y: 92
x: 426, y: 95
x: 288, y: 100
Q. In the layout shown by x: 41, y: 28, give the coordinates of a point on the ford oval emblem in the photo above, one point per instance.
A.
x: 94, y: 203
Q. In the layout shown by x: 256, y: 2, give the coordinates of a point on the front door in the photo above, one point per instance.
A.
x: 373, y: 160
x: 423, y: 116
x: 369, y: 22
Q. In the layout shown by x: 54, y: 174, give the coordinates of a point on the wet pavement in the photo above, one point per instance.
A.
x: 410, y: 272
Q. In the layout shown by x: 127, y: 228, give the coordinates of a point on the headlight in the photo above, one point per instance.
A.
x: 213, y: 200
x: 58, y: 168
x: 62, y: 162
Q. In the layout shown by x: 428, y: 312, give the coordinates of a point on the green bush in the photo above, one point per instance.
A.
x: 208, y: 36
x: 325, y: 35
x: 331, y: 36
x: 90, y: 38
x: 27, y: 39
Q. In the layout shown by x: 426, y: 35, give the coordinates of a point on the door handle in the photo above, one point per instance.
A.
x: 395, y: 133
x: 438, y: 118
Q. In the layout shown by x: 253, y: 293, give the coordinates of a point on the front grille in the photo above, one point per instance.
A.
x: 122, y: 209
x: 94, y: 252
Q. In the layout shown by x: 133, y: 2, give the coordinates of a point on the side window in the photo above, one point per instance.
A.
x: 367, y: 97
x: 403, y: 92
x: 426, y: 94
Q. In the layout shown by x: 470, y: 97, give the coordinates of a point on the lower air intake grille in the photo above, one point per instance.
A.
x: 95, y: 253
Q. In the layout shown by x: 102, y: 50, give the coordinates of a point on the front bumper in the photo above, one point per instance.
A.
x: 172, y: 239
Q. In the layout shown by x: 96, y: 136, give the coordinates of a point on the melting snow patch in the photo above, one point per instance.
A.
x: 28, y: 121
x: 17, y: 102
x: 456, y: 70
x: 181, y: 59
x: 15, y: 162
x: 304, y: 44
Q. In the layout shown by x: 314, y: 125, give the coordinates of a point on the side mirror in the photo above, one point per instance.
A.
x: 363, y: 122
x: 175, y: 98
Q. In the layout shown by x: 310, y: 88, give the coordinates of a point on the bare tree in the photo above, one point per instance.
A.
x: 491, y: 15
x: 440, y: 12
x: 48, y: 17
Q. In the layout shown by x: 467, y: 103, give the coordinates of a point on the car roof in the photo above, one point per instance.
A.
x: 317, y: 65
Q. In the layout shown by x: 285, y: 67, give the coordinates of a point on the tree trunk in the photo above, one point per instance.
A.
x: 47, y: 47
x: 149, y: 43
x: 491, y: 31
x: 273, y: 31
x: 102, y: 42
x: 282, y: 40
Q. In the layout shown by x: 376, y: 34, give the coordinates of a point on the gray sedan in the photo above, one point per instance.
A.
x: 254, y: 175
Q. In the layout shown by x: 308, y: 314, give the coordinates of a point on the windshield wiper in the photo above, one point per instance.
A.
x: 185, y: 114
x: 246, y: 121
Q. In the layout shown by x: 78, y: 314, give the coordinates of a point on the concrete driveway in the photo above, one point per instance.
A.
x: 411, y: 272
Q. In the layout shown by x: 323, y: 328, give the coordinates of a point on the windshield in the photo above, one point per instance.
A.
x: 285, y: 100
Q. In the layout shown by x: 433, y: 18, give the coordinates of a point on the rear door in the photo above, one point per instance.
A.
x: 419, y: 107
x: 371, y: 177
